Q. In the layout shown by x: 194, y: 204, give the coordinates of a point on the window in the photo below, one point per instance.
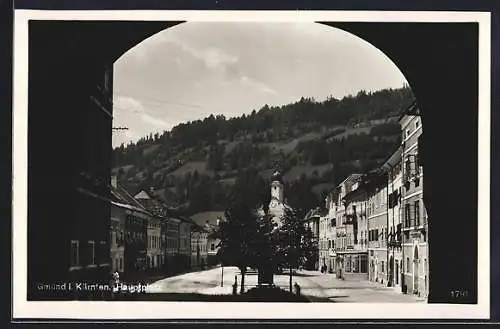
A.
x: 348, y: 263
x: 407, y: 215
x: 417, y: 124
x: 355, y: 264
x: 383, y: 267
x: 91, y: 244
x: 363, y: 263
x: 407, y: 264
x: 212, y: 247
x: 75, y: 255
x: 417, y: 212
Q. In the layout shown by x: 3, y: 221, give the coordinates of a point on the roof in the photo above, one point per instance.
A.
x: 413, y: 109
x: 121, y: 198
x: 393, y: 159
x: 316, y: 212
x: 351, y: 178
x: 142, y: 195
x: 210, y: 217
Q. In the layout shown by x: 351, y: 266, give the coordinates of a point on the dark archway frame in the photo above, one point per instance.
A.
x: 67, y: 60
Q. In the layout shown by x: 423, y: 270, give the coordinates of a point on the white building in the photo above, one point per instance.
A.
x: 327, y: 232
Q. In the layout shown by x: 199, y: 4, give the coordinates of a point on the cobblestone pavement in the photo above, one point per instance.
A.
x: 318, y: 287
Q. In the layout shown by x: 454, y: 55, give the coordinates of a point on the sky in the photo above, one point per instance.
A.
x: 195, y: 69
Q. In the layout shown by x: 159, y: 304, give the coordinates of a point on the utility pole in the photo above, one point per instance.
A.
x: 120, y: 128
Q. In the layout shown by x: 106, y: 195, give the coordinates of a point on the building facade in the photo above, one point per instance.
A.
x: 394, y: 243
x: 184, y: 256
x: 344, y: 236
x: 128, y: 232
x: 323, y: 243
x: 155, y: 254
x: 117, y: 238
x: 415, y: 244
x: 172, y: 245
x: 199, y: 247
x: 355, y: 256
x: 378, y: 231
x: 210, y: 221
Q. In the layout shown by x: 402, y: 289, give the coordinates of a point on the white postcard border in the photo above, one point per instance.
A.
x: 188, y: 310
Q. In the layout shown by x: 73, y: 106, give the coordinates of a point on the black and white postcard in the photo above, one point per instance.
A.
x: 302, y: 164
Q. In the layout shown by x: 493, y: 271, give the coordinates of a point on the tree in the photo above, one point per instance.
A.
x: 295, y: 242
x: 237, y: 238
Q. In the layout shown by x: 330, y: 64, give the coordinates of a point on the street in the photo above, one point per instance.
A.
x: 317, y: 287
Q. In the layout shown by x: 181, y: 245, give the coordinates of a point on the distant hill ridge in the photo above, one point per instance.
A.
x: 197, y: 164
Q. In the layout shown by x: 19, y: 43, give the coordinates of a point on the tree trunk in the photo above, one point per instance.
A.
x: 242, y: 288
x: 291, y: 275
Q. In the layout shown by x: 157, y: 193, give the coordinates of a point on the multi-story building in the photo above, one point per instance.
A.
x: 155, y: 253
x: 199, y: 246
x: 172, y: 244
x: 377, y: 228
x: 327, y: 234
x: 331, y: 230
x: 355, y: 216
x: 69, y: 212
x: 415, y: 244
x: 135, y: 218
x: 344, y: 236
x: 210, y: 221
x: 394, y: 185
x: 184, y: 256
x: 117, y: 238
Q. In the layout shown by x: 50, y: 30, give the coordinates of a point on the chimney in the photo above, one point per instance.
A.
x: 114, y: 181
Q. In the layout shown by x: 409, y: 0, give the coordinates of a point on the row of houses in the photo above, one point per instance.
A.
x: 374, y: 225
x: 147, y: 238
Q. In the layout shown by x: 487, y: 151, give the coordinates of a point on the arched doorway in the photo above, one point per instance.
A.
x: 416, y: 270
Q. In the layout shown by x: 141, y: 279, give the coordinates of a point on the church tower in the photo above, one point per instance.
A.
x: 277, y: 187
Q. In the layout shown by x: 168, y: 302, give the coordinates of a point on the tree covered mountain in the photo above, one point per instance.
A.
x: 200, y: 165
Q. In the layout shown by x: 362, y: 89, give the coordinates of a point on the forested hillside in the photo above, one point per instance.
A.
x: 200, y: 165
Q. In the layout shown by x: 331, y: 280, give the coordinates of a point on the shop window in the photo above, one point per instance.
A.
x: 348, y: 264
x: 355, y: 264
